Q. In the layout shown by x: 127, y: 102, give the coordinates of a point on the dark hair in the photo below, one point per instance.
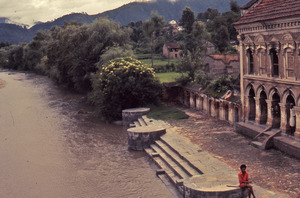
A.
x: 243, y: 166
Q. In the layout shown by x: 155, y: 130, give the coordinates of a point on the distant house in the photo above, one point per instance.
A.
x: 222, y: 64
x: 171, y: 50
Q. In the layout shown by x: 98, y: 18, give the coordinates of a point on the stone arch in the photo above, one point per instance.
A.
x: 251, y: 102
x: 263, y: 106
x: 287, y: 37
x: 275, y: 98
x: 286, y: 93
x: 248, y: 40
x: 259, y: 39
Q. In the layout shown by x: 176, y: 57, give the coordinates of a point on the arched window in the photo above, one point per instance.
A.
x: 274, y: 60
x: 250, y: 61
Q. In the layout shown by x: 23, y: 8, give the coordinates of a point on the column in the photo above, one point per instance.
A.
x: 283, y: 120
x: 257, y: 110
x: 297, y: 131
x: 221, y: 110
x: 247, y: 108
x: 270, y: 115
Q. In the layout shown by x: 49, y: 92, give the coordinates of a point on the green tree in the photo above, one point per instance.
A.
x: 187, y: 20
x: 151, y: 28
x: 123, y: 83
x: 76, y: 49
x: 194, y: 50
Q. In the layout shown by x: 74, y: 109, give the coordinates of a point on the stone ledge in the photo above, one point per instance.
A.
x: 140, y: 138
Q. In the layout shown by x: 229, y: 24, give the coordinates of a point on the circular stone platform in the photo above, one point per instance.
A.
x: 130, y: 115
x: 212, y: 186
x: 140, y: 138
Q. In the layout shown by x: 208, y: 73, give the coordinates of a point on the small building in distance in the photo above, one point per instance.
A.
x: 171, y: 50
x: 222, y: 64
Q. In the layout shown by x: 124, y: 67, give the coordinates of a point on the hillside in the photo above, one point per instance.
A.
x: 136, y: 11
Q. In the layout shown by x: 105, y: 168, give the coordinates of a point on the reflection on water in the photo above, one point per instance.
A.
x: 56, y: 147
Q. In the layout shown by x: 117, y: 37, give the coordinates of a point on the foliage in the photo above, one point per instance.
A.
x: 187, y: 20
x: 123, y: 83
x: 75, y: 50
x: 193, y: 51
x: 151, y: 29
x: 218, y: 87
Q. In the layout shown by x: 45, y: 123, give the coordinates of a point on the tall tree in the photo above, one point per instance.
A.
x: 187, y: 20
x: 151, y: 29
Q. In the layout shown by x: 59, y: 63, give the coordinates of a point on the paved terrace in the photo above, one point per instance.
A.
x: 195, y: 172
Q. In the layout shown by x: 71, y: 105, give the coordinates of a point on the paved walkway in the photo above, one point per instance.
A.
x: 270, y: 169
x: 214, y: 170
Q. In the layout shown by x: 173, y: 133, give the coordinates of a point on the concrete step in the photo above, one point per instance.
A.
x: 169, y: 162
x: 173, y: 178
x: 184, y: 150
x: 147, y: 120
x: 142, y: 122
x: 177, y: 159
x: 137, y: 124
x: 256, y: 144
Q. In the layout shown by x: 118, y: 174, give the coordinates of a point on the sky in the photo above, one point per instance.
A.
x: 30, y: 11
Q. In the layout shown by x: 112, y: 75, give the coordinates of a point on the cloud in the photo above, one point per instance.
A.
x: 31, y: 11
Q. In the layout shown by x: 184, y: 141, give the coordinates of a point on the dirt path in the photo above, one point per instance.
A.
x: 269, y: 169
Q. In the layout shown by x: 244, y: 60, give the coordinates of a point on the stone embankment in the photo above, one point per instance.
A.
x: 194, y: 172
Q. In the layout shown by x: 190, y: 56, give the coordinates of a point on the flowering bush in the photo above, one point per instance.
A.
x: 124, y: 83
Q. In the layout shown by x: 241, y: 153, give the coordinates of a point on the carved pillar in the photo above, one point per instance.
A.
x: 205, y: 104
x: 222, y: 110
x: 192, y: 100
x: 257, y: 110
x: 297, y: 131
x: 270, y: 115
x: 247, y: 108
x: 283, y: 121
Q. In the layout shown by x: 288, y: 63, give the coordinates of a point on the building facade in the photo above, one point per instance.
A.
x: 269, y: 36
x: 171, y: 50
x: 222, y: 64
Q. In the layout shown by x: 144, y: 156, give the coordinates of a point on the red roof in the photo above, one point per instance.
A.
x: 226, y: 58
x: 270, y: 9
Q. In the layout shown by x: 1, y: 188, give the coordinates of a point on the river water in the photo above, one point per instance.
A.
x: 51, y: 145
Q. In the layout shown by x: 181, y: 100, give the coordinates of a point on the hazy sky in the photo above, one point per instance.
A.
x: 30, y: 11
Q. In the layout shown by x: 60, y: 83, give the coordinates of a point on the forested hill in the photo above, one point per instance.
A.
x: 136, y: 11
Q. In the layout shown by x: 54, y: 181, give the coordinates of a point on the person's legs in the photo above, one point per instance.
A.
x: 250, y: 191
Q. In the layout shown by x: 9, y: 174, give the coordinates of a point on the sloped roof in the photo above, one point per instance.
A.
x: 172, y: 45
x: 270, y: 9
x: 226, y: 58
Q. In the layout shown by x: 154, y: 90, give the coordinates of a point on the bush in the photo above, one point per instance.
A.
x: 123, y: 83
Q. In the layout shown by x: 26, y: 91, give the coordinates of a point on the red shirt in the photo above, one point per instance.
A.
x: 243, y: 178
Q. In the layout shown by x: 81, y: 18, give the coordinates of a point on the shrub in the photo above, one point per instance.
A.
x: 123, y: 83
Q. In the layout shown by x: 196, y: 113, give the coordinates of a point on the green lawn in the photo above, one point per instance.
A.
x: 167, y: 77
x: 166, y: 113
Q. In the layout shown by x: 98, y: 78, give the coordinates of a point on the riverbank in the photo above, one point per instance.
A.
x: 269, y: 169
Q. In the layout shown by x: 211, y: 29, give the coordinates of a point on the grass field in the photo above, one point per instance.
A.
x: 167, y: 77
x: 166, y: 113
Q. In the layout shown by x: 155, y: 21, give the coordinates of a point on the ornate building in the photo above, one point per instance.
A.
x: 269, y: 36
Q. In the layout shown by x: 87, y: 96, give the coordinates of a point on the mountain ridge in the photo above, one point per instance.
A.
x: 131, y: 12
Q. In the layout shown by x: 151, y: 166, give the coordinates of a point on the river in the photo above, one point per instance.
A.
x: 52, y: 145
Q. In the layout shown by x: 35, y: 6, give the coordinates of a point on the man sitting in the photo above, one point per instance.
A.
x: 244, y: 180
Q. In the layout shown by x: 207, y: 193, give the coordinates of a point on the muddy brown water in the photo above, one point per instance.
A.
x: 51, y: 145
